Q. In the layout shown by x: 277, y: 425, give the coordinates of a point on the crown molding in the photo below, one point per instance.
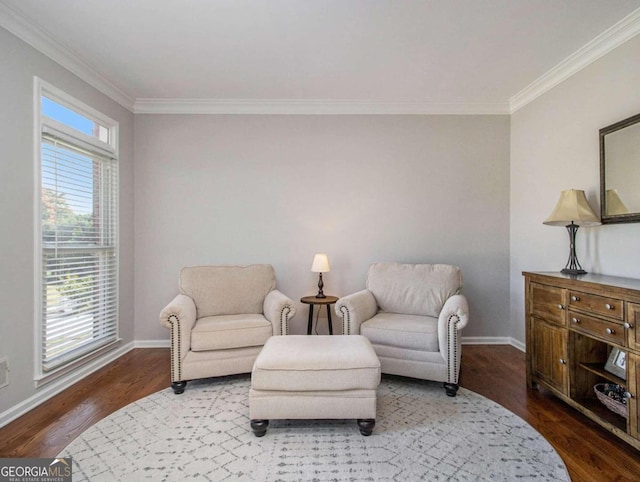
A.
x: 314, y: 107
x: 613, y: 37
x: 24, y: 29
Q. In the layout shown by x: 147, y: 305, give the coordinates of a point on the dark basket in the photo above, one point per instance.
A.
x: 613, y: 397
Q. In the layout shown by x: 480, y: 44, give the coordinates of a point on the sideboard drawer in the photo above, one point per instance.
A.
x: 609, y: 307
x: 605, y: 330
x: 548, y: 303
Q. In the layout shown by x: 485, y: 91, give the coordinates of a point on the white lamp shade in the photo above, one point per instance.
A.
x: 572, y: 207
x: 320, y: 263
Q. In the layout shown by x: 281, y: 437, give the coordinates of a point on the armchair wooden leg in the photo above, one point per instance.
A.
x: 178, y: 387
x: 366, y: 425
x: 451, y: 389
x: 259, y: 427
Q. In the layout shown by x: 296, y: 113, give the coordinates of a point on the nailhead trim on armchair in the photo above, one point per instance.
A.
x: 452, y: 348
x: 175, y: 348
x: 284, y: 320
x: 346, y: 320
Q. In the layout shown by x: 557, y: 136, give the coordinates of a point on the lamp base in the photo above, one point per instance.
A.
x: 573, y: 265
x: 320, y: 286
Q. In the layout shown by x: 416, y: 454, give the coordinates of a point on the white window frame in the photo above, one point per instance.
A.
x: 44, y: 124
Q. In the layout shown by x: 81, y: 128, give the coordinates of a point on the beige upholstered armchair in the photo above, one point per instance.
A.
x: 411, y: 314
x: 221, y: 319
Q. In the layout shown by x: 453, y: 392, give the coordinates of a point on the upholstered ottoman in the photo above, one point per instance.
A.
x: 314, y: 377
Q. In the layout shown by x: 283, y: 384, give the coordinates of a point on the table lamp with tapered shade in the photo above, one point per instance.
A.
x: 572, y: 211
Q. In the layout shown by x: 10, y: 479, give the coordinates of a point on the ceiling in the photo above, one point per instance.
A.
x: 469, y: 53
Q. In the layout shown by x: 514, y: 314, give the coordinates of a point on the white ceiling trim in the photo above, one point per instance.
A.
x: 613, y: 37
x: 314, y: 107
x: 21, y: 27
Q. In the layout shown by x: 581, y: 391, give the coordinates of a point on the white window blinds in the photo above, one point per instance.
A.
x: 79, y: 224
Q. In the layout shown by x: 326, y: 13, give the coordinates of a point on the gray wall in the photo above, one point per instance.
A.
x: 554, y: 146
x: 18, y: 64
x: 277, y: 189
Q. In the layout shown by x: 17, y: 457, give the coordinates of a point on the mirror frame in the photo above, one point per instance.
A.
x: 613, y: 218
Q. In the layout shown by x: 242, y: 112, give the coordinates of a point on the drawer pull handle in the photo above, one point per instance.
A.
x: 610, y: 331
x: 575, y: 320
x: 608, y: 306
x: 563, y: 361
x: 575, y: 298
x: 561, y: 307
x: 628, y: 326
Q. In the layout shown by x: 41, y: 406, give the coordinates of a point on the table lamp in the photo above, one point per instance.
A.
x: 320, y: 265
x: 572, y: 211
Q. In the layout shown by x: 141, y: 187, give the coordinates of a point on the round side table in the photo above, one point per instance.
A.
x: 312, y: 301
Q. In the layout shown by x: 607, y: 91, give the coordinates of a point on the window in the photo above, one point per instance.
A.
x: 77, y: 231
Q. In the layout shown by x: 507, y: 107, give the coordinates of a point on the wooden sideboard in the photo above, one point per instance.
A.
x: 572, y: 324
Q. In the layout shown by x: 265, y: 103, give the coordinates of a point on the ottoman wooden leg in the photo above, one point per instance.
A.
x: 366, y: 425
x: 259, y: 427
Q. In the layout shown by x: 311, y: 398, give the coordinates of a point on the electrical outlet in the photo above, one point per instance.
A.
x: 4, y: 372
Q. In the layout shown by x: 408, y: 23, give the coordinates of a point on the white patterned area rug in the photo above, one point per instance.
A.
x: 420, y: 434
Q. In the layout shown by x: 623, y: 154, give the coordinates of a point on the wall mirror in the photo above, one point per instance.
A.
x: 620, y: 172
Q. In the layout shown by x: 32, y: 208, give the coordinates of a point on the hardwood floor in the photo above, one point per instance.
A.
x: 589, y: 452
x: 47, y: 429
x: 495, y: 371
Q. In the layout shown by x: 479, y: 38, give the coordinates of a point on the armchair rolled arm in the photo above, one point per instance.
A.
x: 179, y: 316
x: 181, y: 309
x: 453, y: 317
x: 354, y: 309
x: 279, y: 309
x: 455, y: 307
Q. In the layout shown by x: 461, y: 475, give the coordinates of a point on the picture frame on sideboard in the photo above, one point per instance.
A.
x: 617, y: 363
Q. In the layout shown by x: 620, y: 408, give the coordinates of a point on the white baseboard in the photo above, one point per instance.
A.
x: 151, y: 344
x: 485, y: 340
x: 518, y: 344
x: 465, y: 340
x: 468, y: 340
x: 54, y: 388
x: 492, y: 340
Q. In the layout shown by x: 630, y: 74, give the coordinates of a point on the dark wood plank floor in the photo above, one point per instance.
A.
x: 496, y: 371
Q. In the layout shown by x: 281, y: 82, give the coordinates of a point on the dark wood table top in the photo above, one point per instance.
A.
x: 312, y: 300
